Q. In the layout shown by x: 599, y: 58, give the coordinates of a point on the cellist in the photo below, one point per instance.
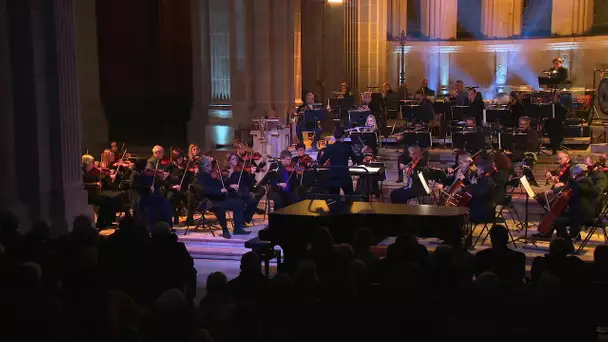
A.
x: 414, y: 187
x: 557, y: 178
x: 581, y: 205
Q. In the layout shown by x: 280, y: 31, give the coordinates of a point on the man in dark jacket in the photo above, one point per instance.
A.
x: 338, y: 155
x: 213, y: 188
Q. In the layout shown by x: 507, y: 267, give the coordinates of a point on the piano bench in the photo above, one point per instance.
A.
x: 265, y: 250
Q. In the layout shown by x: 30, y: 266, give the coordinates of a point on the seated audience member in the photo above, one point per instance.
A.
x: 507, y: 264
x: 250, y: 284
x: 217, y: 308
x: 173, y: 265
x: 362, y: 243
x: 599, y: 267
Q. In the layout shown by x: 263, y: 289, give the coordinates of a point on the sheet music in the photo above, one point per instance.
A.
x: 524, y: 181
x: 424, y: 183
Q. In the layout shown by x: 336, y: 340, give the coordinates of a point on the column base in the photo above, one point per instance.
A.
x: 75, y: 204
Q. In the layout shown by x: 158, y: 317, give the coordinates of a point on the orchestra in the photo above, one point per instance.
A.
x: 166, y: 188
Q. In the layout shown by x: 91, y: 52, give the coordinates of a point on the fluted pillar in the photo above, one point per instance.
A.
x: 438, y: 18
x: 197, y: 126
x: 92, y: 115
x: 67, y: 196
x: 9, y: 196
x: 397, y: 17
x: 501, y: 18
x: 571, y: 17
x: 282, y: 56
x: 297, y: 51
x: 372, y: 29
x: 262, y: 58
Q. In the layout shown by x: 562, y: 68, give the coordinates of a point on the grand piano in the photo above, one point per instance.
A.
x: 292, y: 227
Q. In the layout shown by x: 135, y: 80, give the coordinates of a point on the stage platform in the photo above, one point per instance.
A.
x: 214, y: 253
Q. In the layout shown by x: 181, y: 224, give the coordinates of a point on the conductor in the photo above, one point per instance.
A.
x: 338, y: 155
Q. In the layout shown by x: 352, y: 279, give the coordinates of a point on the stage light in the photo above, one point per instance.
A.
x: 335, y: 1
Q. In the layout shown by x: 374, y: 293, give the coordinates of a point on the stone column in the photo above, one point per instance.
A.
x: 501, y: 18
x: 197, y: 126
x: 297, y: 52
x: 67, y: 198
x: 438, y: 18
x: 262, y: 59
x: 397, y: 17
x: 9, y: 196
x: 92, y: 115
x: 281, y: 36
x: 372, y: 43
x: 242, y: 51
x: 571, y: 17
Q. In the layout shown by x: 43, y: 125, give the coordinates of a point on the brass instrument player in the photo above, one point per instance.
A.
x: 558, y: 73
x: 424, y: 88
x: 458, y: 94
x: 301, y: 124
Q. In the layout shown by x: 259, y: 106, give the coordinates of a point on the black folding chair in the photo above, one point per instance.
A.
x: 598, y: 223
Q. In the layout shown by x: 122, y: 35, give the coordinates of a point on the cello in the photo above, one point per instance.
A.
x: 560, y: 203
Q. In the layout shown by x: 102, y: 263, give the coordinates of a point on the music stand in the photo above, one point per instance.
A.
x: 509, y: 141
x: 368, y: 138
x: 468, y: 140
x: 500, y: 116
x: 523, y: 181
x: 459, y: 112
x: 391, y: 105
x: 311, y: 117
x: 420, y: 138
x: 342, y: 105
x: 357, y: 118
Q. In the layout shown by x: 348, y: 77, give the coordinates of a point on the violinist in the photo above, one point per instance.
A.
x: 558, y: 178
x: 363, y: 183
x: 213, y: 187
x: 413, y: 187
x: 283, y: 180
x: 338, y: 154
x: 596, y: 173
x: 180, y: 176
x: 241, y: 183
x: 148, y: 180
x: 156, y: 162
x: 300, y: 153
x: 93, y: 181
x: 481, y: 188
x: 581, y: 205
x: 301, y: 124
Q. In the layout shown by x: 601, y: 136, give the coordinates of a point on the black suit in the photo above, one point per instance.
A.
x: 475, y: 109
x: 426, y: 91
x: 212, y: 189
x: 560, y: 76
x: 482, y: 201
x: 555, y: 127
x: 338, y: 155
